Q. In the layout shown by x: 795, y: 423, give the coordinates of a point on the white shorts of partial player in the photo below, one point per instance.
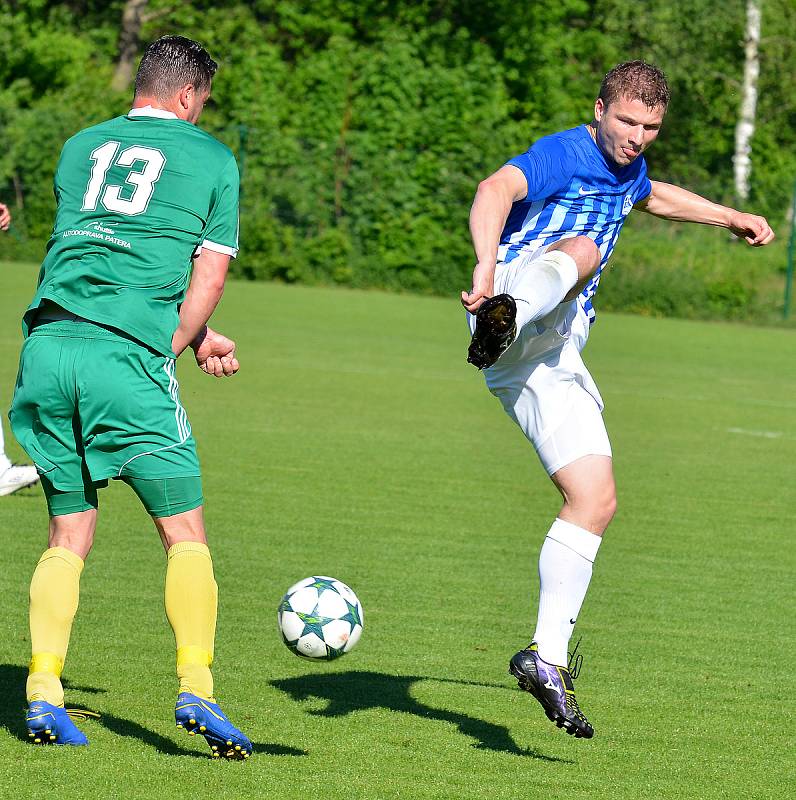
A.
x: 541, y: 379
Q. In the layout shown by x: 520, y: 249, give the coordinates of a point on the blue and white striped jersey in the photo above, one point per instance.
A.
x: 573, y: 190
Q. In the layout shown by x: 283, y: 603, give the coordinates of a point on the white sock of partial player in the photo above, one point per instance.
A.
x: 4, y: 461
x: 565, y: 566
x: 544, y: 285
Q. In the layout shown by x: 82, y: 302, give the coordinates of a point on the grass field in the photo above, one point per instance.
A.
x: 356, y: 442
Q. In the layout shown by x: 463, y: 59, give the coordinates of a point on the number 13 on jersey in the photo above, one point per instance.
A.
x: 142, y: 180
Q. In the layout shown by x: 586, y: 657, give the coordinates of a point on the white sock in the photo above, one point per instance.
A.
x: 565, y: 565
x: 4, y: 461
x: 544, y: 285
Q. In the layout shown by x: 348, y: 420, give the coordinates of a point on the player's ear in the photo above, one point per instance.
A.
x: 185, y: 96
x: 599, y: 108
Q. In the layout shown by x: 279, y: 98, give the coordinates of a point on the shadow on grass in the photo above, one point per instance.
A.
x: 277, y: 750
x: 12, y: 718
x: 132, y: 730
x: 128, y: 728
x: 12, y: 699
x: 69, y: 686
x: 347, y: 692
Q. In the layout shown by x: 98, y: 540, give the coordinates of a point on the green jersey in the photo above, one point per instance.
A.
x: 137, y: 197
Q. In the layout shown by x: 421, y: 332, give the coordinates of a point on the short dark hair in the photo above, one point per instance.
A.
x: 170, y: 63
x: 636, y: 80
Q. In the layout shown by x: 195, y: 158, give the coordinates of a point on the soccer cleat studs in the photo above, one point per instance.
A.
x: 49, y: 724
x: 495, y: 330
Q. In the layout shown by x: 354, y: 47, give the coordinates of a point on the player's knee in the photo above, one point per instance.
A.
x: 587, y: 255
x: 185, y: 527
x: 74, y: 531
x: 584, y: 251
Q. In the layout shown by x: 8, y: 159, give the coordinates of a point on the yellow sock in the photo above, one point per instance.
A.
x: 54, y: 596
x: 191, y: 600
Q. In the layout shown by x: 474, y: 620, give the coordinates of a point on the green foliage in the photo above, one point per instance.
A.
x: 662, y: 269
x: 362, y: 128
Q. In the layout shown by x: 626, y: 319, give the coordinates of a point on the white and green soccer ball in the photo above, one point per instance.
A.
x: 320, y: 618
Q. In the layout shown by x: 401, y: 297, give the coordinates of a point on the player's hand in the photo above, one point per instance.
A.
x: 215, y: 354
x: 753, y: 229
x: 5, y: 217
x: 483, y: 287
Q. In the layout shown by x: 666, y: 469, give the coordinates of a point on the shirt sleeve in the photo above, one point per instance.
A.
x: 548, y: 167
x: 221, y: 230
x: 643, y: 186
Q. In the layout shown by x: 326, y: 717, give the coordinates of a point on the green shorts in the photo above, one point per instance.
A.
x: 92, y: 404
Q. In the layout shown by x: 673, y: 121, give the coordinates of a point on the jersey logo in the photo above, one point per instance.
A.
x: 583, y: 192
x: 627, y: 206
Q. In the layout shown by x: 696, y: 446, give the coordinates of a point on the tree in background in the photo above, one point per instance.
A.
x: 745, y: 128
x: 363, y: 127
x: 132, y: 19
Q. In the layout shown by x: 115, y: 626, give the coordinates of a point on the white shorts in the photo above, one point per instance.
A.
x: 542, y: 382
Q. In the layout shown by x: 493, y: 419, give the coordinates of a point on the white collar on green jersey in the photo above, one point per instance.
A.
x: 148, y: 111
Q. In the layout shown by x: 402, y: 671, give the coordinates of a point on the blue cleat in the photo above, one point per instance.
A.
x: 49, y: 724
x: 197, y: 715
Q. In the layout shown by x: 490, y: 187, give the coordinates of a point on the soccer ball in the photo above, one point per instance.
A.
x: 320, y: 618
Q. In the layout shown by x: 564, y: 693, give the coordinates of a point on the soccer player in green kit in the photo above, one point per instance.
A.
x: 145, y: 226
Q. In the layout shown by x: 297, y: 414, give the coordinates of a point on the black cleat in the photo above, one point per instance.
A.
x: 552, y: 686
x: 495, y: 330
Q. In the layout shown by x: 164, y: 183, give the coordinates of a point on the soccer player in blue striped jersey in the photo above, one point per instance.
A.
x: 543, y: 228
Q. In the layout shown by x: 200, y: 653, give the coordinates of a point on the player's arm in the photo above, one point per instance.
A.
x: 488, y: 216
x: 675, y: 203
x: 215, y: 354
x: 5, y: 217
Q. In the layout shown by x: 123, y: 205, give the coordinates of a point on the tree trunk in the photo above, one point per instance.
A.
x: 132, y: 17
x: 745, y: 128
x: 20, y: 197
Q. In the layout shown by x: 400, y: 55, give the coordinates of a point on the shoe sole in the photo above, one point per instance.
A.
x: 527, y: 685
x: 6, y: 490
x: 40, y: 734
x: 499, y: 321
x: 41, y: 737
x: 497, y: 316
